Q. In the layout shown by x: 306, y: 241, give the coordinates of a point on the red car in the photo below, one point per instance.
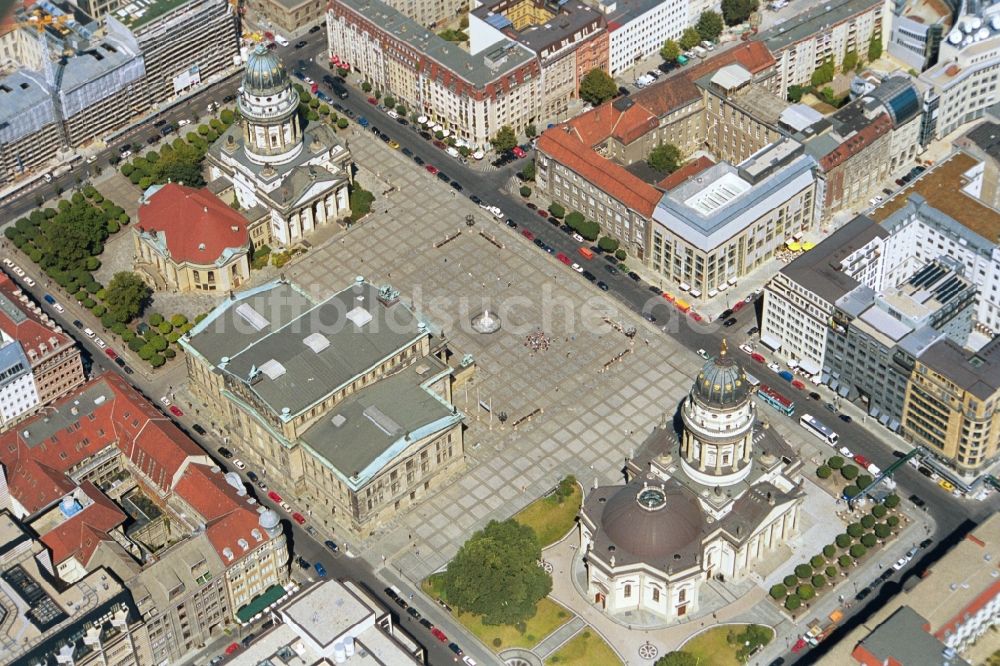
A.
x: 695, y: 316
x: 299, y: 518
x: 233, y: 647
x: 275, y: 497
x: 799, y: 645
x: 518, y: 152
x: 797, y: 383
x: 542, y: 212
x: 372, y: 100
x: 527, y: 234
x: 861, y: 460
x: 176, y: 411
x: 440, y: 144
x: 757, y: 357
x: 563, y: 258
x: 739, y: 306
x: 438, y: 634
x: 112, y: 354
x: 432, y: 170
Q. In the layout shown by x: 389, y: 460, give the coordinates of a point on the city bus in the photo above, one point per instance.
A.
x: 813, y: 425
x: 776, y: 400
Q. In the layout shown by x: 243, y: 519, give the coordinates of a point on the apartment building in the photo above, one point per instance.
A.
x: 825, y: 32
x: 107, y: 481
x: 91, y: 622
x: 360, y: 441
x: 799, y: 300
x: 638, y: 28
x: 472, y: 95
x: 289, y: 17
x: 29, y: 128
x: 875, y: 338
x: 41, y: 363
x: 719, y: 225
x: 568, y: 39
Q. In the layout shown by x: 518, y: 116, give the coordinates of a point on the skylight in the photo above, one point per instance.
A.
x: 252, y: 317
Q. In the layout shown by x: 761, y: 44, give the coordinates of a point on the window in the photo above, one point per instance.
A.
x: 628, y: 591
x: 682, y: 595
x: 656, y: 594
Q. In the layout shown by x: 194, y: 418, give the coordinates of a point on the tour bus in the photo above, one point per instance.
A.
x: 813, y: 425
x: 776, y: 400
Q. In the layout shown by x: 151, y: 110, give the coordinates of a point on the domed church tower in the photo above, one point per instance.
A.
x: 718, y: 414
x: 269, y: 107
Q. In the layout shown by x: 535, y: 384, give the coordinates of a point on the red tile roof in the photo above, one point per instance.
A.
x: 567, y: 149
x: 687, y: 171
x: 80, y: 535
x: 606, y: 121
x: 31, y: 332
x: 857, y: 143
x: 197, y: 225
x: 228, y: 518
x: 123, y: 418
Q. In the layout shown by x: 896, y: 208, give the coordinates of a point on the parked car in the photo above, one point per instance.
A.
x: 274, y: 497
x: 703, y: 354
x: 225, y: 453
x: 198, y: 429
x: 253, y: 476
x: 438, y: 634
x: 239, y: 463
x: 332, y: 546
x: 320, y: 569
x: 299, y: 518
x: 176, y: 411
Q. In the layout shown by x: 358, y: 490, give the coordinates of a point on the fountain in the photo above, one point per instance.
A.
x: 486, y: 322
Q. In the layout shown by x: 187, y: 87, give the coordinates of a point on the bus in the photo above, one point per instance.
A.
x: 776, y: 400
x: 813, y: 425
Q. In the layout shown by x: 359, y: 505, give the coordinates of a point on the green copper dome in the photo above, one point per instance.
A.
x: 265, y: 74
x: 722, y: 382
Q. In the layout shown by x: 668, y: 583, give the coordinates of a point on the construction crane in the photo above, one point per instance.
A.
x: 40, y: 21
x: 255, y: 37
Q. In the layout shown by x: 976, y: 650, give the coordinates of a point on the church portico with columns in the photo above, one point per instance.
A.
x: 299, y: 177
x: 712, y: 492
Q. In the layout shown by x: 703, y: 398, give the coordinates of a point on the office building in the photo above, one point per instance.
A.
x: 187, y: 239
x: 360, y: 631
x: 741, y: 117
x: 874, y: 339
x: 40, y: 362
x: 568, y: 39
x: 638, y: 28
x: 917, y: 31
x: 471, y: 95
x: 288, y: 17
x: 982, y: 142
x: 349, y: 399
x: 728, y: 220
x: 825, y: 32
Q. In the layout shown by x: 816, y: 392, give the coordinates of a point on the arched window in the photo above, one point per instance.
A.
x: 628, y: 590
x: 682, y: 595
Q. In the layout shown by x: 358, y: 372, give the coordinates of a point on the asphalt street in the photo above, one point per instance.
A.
x: 950, y: 514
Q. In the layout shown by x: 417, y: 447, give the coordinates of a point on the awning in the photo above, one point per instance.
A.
x: 261, y: 602
x: 883, y: 419
x: 478, y: 155
x: 834, y: 383
x: 874, y: 412
x: 422, y: 119
x: 809, y: 366
x: 794, y: 246
x: 893, y: 425
x: 685, y: 286
x: 771, y: 342
x: 808, y: 245
x: 825, y: 378
x: 844, y: 390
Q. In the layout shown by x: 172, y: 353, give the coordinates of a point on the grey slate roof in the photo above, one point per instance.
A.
x: 902, y: 639
x: 506, y: 54
x: 976, y: 372
x: 25, y: 105
x: 818, y: 270
x: 812, y: 22
x: 292, y: 375
x: 380, y: 420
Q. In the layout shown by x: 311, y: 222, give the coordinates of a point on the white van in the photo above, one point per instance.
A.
x: 700, y: 52
x: 281, y: 40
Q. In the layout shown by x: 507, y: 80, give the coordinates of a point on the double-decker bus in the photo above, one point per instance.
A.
x: 776, y: 400
x: 813, y: 425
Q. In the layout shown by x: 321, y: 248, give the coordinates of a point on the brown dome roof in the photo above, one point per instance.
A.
x: 653, y: 522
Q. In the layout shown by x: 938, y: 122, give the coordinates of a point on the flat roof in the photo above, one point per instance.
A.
x: 369, y: 427
x: 941, y: 187
x: 901, y: 639
x: 311, y: 611
x: 976, y: 372
x: 485, y: 67
x: 139, y: 12
x: 715, y: 205
x: 567, y: 20
x: 96, y: 62
x: 819, y: 270
x: 24, y: 92
x: 812, y: 22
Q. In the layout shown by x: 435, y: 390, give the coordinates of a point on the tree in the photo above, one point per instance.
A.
x: 844, y: 540
x: 879, y: 511
x: 850, y: 61
x: 805, y: 592
x: 795, y: 93
x: 792, y: 602
x: 875, y: 48
x: 849, y: 472
x: 360, y: 201
x: 857, y: 551
x: 891, y: 501
x: 690, y: 38
x: 504, y: 140
x: 790, y: 581
x: 670, y: 50
x: 882, y: 531
x: 525, y: 191
x: 829, y: 550
x: 575, y: 220
x: 819, y: 580
x: 665, y: 158
x: 597, y: 87
x: 845, y: 561
x: 823, y: 472
x: 817, y: 561
x: 863, y: 481
x: 496, y: 574
x: 127, y: 295
x: 530, y: 131
x: 803, y: 571
x: 823, y: 74
x: 608, y: 244
x: 869, y: 540
x: 778, y: 591
x: 557, y: 211
x: 738, y: 11
x: 366, y: 87
x: 709, y: 25
x: 868, y: 522
x: 677, y: 658
x: 528, y: 172
x: 835, y: 462
x: 390, y: 101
